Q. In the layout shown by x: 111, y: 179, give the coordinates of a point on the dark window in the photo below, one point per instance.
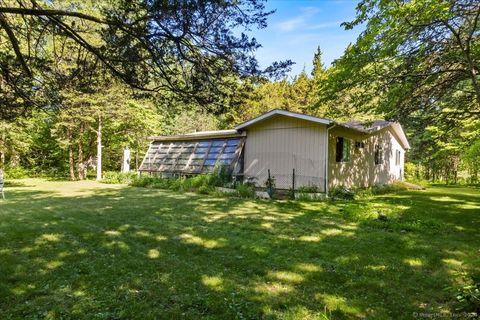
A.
x: 378, y: 154
x: 359, y: 144
x: 342, y: 150
x: 397, y: 157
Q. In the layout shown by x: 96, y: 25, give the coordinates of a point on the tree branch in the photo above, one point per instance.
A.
x: 16, y: 48
x: 50, y: 13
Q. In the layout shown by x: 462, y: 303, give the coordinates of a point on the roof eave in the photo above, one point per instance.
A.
x: 401, y: 134
x: 275, y: 112
x: 212, y: 135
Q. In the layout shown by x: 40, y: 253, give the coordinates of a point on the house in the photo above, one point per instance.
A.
x: 294, y: 149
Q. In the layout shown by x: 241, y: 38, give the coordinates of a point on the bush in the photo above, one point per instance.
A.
x: 410, y: 170
x: 113, y: 177
x: 201, y: 183
x: 204, y: 189
x: 311, y: 188
x: 143, y: 181
x: 270, y: 185
x: 389, y: 188
x: 15, y: 173
x: 222, y: 176
x: 342, y: 193
x: 246, y: 190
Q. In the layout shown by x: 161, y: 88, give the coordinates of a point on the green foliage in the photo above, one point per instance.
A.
x: 468, y: 296
x: 270, y: 185
x: 142, y: 181
x: 311, y: 188
x: 222, y: 176
x: 114, y: 177
x: 200, y: 71
x: 410, y: 170
x: 200, y: 183
x: 15, y: 173
x: 246, y: 190
x: 342, y: 193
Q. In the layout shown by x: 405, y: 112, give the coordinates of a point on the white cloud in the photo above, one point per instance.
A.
x: 298, y: 21
x: 324, y: 25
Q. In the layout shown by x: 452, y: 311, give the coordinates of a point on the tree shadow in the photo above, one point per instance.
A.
x: 126, y: 253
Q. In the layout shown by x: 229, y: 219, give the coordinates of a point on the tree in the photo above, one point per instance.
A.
x: 185, y: 47
x: 411, y: 56
x: 319, y: 70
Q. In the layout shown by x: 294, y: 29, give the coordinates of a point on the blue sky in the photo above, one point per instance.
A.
x: 298, y: 26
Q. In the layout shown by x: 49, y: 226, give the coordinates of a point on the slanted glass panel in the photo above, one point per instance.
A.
x: 230, y: 149
x: 233, y: 142
x: 210, y: 162
x: 198, y: 156
x: 212, y: 156
x: 203, y: 144
x: 215, y: 149
x: 218, y: 143
x: 201, y: 150
x: 227, y: 156
x: 190, y: 156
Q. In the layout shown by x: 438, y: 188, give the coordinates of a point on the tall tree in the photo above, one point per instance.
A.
x: 411, y: 56
x: 185, y: 47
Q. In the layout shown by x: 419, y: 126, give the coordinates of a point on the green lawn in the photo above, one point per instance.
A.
x: 85, y: 250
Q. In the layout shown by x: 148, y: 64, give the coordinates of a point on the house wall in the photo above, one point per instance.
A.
x: 361, y: 170
x: 282, y: 144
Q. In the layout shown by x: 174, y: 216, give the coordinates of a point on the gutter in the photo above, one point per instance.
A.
x: 326, y: 158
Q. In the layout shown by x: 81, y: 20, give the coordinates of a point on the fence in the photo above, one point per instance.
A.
x: 287, y: 181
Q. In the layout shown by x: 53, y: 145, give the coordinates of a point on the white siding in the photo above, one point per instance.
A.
x: 361, y: 170
x: 282, y: 144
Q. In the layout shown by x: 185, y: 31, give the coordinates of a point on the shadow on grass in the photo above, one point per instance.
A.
x: 139, y: 253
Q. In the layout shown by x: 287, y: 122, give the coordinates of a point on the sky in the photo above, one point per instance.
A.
x: 298, y: 27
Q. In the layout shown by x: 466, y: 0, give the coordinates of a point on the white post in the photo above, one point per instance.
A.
x: 99, y: 149
x: 327, y: 158
x: 126, y: 160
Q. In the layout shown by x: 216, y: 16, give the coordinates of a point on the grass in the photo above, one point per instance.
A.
x: 85, y: 250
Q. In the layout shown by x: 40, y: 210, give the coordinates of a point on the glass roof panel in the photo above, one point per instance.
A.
x: 191, y: 156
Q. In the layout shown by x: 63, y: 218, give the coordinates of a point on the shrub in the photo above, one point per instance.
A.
x: 410, y: 170
x: 311, y: 188
x: 342, y: 193
x: 201, y: 183
x: 222, y: 176
x: 143, y: 181
x: 270, y: 185
x: 204, y: 189
x: 246, y: 190
x: 113, y: 177
x: 15, y: 173
x: 202, y: 180
x: 389, y: 188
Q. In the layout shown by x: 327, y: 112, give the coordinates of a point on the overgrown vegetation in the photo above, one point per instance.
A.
x: 203, y: 184
x: 113, y: 177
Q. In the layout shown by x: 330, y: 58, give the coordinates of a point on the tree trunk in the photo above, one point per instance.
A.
x: 80, y: 162
x: 71, y: 161
x: 99, y: 149
x: 3, y: 147
x: 14, y: 160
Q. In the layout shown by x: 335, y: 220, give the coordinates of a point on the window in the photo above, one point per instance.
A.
x: 397, y: 157
x: 342, y: 150
x: 378, y: 154
x: 359, y: 144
